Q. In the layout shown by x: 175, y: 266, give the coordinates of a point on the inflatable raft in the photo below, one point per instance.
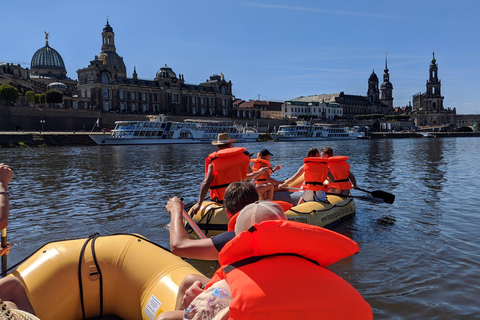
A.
x: 213, y: 220
x: 125, y: 276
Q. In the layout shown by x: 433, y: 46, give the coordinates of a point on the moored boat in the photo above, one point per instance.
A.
x: 126, y: 276
x: 157, y: 130
x: 303, y: 131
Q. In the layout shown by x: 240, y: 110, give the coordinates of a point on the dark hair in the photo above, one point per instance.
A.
x: 238, y: 195
x: 312, y: 152
x: 328, y: 151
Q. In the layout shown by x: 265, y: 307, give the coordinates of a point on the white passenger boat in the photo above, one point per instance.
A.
x: 303, y: 131
x: 157, y: 130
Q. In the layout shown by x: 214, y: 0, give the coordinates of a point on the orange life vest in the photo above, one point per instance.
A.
x: 276, y: 270
x: 316, y: 172
x: 229, y: 165
x: 340, y: 170
x: 257, y: 164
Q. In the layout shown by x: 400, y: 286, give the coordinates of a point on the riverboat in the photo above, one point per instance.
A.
x: 213, y: 220
x: 303, y: 131
x: 122, y: 276
x: 157, y: 130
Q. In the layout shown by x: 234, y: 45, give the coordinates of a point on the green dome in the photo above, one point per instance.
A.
x: 47, y: 58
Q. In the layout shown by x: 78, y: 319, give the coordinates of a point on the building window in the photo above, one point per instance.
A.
x: 105, y: 78
x: 210, y: 101
x: 144, y: 96
x: 223, y: 90
x: 174, y: 97
x: 122, y: 94
x: 202, y: 101
x: 134, y: 107
x: 75, y: 105
x: 194, y: 100
x: 155, y: 97
x: 224, y: 102
x: 105, y: 93
x: 144, y: 107
x: 133, y: 96
x: 122, y: 106
x: 106, y: 106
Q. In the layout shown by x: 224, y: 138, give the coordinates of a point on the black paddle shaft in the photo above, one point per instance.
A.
x: 387, y: 197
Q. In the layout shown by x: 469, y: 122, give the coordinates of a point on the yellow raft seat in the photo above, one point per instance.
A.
x: 126, y: 276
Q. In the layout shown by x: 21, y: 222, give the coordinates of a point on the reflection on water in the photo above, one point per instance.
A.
x: 418, y: 258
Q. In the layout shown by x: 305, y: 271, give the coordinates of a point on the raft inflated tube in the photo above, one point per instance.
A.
x: 139, y: 278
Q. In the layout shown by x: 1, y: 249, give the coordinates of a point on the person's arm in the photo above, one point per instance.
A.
x: 180, y: 243
x: 203, y: 189
x: 6, y: 175
x: 353, y: 180
x: 292, y: 178
x: 267, y: 175
x: 252, y: 175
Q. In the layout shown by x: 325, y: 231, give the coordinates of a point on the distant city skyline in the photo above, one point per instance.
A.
x: 272, y: 50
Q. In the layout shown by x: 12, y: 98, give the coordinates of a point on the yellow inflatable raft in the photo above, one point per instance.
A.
x: 126, y: 276
x: 213, y: 220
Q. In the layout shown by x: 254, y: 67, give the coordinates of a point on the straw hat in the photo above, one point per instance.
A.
x: 14, y: 314
x: 223, y: 138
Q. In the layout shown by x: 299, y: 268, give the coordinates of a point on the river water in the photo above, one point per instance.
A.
x: 419, y: 257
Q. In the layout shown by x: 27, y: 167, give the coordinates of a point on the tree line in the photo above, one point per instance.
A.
x: 10, y: 94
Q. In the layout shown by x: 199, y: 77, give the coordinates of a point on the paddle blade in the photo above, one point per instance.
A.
x: 387, y: 197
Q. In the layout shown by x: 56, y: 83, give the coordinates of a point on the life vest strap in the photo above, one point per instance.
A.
x: 260, y: 180
x: 251, y: 260
x: 219, y: 186
x: 315, y: 183
x: 341, y: 180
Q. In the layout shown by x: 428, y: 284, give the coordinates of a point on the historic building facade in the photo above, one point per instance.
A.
x: 105, y: 83
x: 331, y: 106
x: 428, y: 107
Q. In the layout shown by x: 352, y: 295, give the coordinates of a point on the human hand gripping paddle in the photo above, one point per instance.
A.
x: 192, y: 224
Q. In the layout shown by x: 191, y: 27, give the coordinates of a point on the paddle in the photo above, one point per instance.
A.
x: 371, y: 199
x: 193, y: 225
x: 4, y: 256
x: 387, y: 197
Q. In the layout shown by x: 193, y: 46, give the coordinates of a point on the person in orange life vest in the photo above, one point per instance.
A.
x: 340, y: 178
x: 316, y: 172
x: 223, y: 167
x: 257, y: 265
x: 12, y: 291
x: 237, y: 196
x: 266, y: 186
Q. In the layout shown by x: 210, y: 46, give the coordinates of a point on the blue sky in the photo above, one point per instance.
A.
x: 277, y: 50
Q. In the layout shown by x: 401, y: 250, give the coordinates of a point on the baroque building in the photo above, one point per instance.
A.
x: 341, y: 105
x: 106, y: 85
x: 428, y: 107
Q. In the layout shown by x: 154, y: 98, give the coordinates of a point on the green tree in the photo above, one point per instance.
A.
x: 8, y: 93
x: 54, y: 96
x: 30, y: 97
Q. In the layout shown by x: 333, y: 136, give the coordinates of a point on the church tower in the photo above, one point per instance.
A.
x: 108, y: 39
x: 386, y: 88
x: 373, y: 92
x: 433, y: 88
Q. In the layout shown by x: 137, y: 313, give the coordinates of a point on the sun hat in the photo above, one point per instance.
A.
x: 265, y: 153
x: 257, y: 212
x: 223, y: 138
x: 14, y: 314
